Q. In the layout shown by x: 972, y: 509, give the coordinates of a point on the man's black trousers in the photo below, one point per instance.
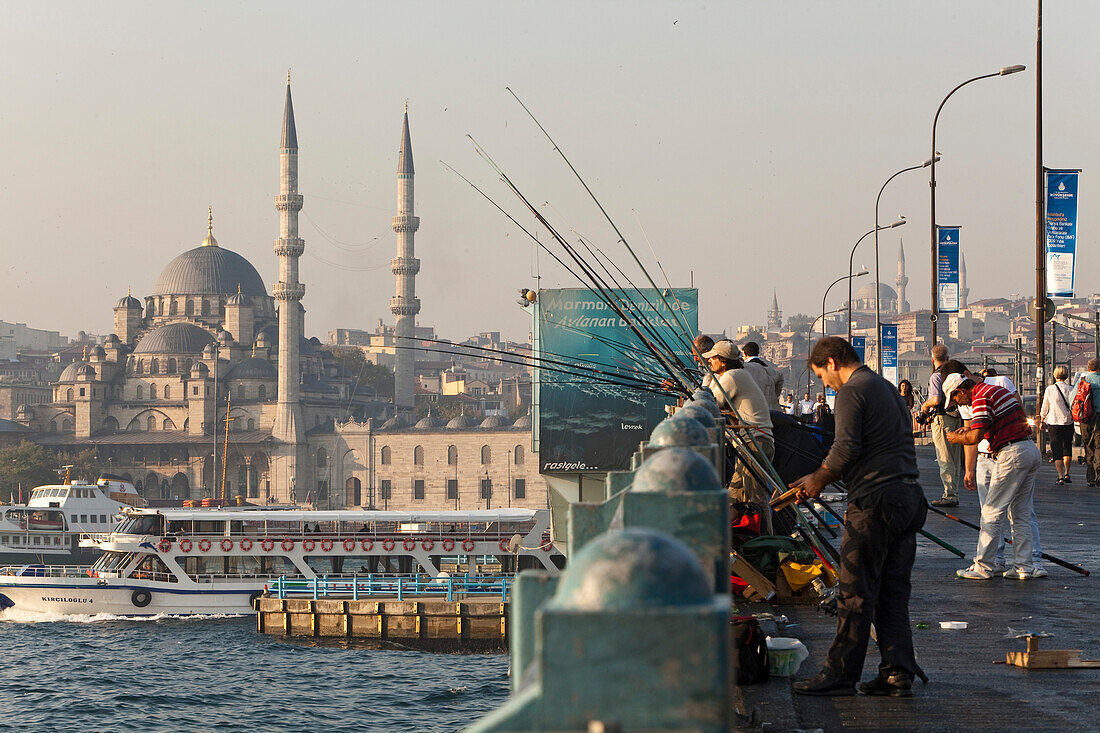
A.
x: 876, y: 559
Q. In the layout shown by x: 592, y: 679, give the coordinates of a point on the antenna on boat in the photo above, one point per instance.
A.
x: 225, y: 452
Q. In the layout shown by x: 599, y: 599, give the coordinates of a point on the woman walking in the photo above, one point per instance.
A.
x: 1055, y: 416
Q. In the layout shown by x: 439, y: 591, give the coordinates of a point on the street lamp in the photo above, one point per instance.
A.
x: 851, y: 257
x: 932, y: 185
x: 848, y: 277
x: 878, y: 284
x: 810, y: 331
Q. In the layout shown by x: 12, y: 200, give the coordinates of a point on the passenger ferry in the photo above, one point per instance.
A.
x: 217, y: 561
x: 49, y: 525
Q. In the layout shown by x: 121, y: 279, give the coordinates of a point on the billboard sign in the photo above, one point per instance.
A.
x: 947, y: 268
x: 1061, y: 232
x: 890, y: 352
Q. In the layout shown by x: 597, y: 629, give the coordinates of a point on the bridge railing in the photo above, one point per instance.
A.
x: 376, y: 585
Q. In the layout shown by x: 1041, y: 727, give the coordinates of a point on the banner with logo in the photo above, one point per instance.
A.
x: 947, y: 268
x: 890, y: 353
x: 859, y: 343
x: 1061, y: 232
x: 588, y: 424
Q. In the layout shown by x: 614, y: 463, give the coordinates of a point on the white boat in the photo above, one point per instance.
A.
x: 47, y: 528
x: 217, y: 561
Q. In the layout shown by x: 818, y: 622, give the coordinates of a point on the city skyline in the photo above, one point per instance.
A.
x: 128, y: 127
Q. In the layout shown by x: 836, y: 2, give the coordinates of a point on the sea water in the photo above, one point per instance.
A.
x: 106, y: 673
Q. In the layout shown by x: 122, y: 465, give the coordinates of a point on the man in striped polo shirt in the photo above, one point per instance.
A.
x: 999, y: 418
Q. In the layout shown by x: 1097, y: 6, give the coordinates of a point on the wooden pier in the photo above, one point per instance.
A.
x: 437, y: 625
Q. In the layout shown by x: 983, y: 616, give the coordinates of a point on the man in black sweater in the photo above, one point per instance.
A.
x: 873, y: 452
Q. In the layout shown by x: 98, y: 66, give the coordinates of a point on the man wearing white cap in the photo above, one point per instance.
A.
x: 735, y: 389
x: 998, y: 417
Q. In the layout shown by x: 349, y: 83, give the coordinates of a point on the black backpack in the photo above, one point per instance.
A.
x: 750, y: 652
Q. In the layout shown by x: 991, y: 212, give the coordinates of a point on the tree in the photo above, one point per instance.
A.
x: 85, y: 465
x: 25, y: 466
x: 798, y: 323
x: 377, y: 377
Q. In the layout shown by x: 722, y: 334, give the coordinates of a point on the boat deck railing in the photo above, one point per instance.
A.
x: 45, y: 571
x: 376, y: 585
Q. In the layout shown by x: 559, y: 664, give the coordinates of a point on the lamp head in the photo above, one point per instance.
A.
x: 934, y: 159
x: 898, y: 223
x: 862, y: 271
x: 1011, y: 69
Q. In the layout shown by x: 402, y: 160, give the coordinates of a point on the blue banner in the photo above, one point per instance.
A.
x: 859, y: 343
x: 890, y: 353
x: 947, y: 268
x: 1061, y: 232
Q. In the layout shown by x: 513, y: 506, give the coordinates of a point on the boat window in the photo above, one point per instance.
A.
x: 142, y: 524
x: 152, y: 567
x: 113, y: 561
x: 83, y: 518
x: 38, y: 539
x: 103, y: 518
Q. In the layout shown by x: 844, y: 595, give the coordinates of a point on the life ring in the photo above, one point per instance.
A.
x: 227, y: 544
x: 267, y: 544
x: 387, y: 544
x: 246, y: 544
x: 427, y: 545
x: 546, y: 544
x: 164, y: 545
x: 367, y: 545
x: 204, y: 545
x: 141, y: 598
x: 409, y: 544
x: 326, y: 545
x: 504, y: 545
x: 185, y: 545
x: 349, y: 544
x: 448, y: 544
x: 288, y: 545
x: 468, y: 545
x: 308, y: 545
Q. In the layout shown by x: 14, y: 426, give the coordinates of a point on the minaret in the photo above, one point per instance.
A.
x: 775, y: 316
x: 288, y: 291
x: 963, y: 290
x: 901, y: 280
x: 405, y: 305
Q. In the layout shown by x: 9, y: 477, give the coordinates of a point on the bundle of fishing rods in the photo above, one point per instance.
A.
x: 658, y: 358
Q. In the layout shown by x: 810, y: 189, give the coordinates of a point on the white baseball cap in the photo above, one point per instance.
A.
x: 951, y: 383
x: 725, y: 349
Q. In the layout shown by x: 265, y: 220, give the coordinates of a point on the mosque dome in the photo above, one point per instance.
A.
x: 428, y: 422
x: 68, y: 374
x: 460, y: 423
x: 237, y: 299
x: 85, y: 370
x: 174, y: 338
x: 199, y: 370
x: 867, y: 292
x: 492, y: 423
x: 129, y: 302
x: 209, y: 270
x: 253, y: 368
x: 523, y: 422
x: 394, y: 423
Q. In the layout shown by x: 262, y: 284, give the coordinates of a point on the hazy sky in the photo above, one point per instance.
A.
x: 748, y: 139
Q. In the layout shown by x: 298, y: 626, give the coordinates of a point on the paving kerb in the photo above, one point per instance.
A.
x: 966, y: 691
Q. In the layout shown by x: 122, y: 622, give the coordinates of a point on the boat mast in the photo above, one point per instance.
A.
x: 225, y: 453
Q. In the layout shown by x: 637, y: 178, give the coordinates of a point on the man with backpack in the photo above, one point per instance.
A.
x: 1086, y: 406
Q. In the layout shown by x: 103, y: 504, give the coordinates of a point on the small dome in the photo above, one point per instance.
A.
x: 112, y: 340
x: 68, y: 374
x: 129, y: 302
x: 631, y: 569
x: 97, y: 353
x: 224, y: 337
x: 253, y: 368
x: 675, y: 471
x: 683, y: 432
x: 396, y: 422
x: 199, y: 370
x: 85, y: 370
x: 492, y: 423
x: 237, y: 299
x: 208, y: 351
x: 460, y: 423
x: 173, y: 338
x: 523, y: 422
x: 428, y: 422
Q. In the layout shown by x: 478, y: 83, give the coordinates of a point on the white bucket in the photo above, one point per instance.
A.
x: 785, y: 655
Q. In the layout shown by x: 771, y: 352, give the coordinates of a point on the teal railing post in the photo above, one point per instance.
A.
x: 450, y: 588
x: 324, y: 585
x: 503, y: 589
x: 315, y: 587
x: 400, y: 597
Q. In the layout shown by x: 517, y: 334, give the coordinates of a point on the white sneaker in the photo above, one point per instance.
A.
x: 974, y: 572
x: 1017, y: 574
x: 1038, y: 571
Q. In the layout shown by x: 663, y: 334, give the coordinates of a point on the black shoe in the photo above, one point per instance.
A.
x: 1066, y: 479
x: 823, y: 685
x: 945, y: 502
x: 898, y: 684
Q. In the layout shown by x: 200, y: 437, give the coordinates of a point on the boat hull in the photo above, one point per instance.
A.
x: 93, y: 596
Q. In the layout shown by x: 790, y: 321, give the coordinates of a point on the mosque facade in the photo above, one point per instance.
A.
x: 208, y: 388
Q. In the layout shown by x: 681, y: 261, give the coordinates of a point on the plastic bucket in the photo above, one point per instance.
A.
x: 785, y: 655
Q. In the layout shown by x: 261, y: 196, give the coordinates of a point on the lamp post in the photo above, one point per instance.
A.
x: 851, y: 257
x: 810, y: 331
x: 932, y: 185
x: 878, y: 283
x: 848, y: 277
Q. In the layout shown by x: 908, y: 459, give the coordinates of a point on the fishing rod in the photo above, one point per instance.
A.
x: 603, y: 211
x: 671, y: 289
x: 1045, y: 556
x: 601, y: 286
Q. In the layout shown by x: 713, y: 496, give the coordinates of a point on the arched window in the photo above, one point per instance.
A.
x: 418, y: 455
x: 322, y: 459
x: 262, y: 392
x: 53, y: 426
x: 205, y: 307
x: 242, y: 393
x: 110, y: 424
x: 151, y: 424
x: 190, y: 308
x: 152, y: 391
x: 69, y: 395
x: 251, y: 424
x: 452, y: 455
x: 167, y: 392
x: 486, y: 455
x: 519, y: 455
x: 168, y: 424
x: 385, y: 455
x: 66, y: 425
x: 154, y: 366
x: 139, y: 367
x: 140, y: 392
x: 173, y: 308
x: 171, y: 366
